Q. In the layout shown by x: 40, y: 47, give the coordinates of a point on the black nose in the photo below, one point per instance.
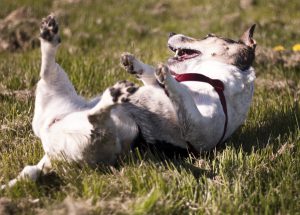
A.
x: 171, y: 34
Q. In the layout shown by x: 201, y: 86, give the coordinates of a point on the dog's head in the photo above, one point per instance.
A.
x: 188, y: 50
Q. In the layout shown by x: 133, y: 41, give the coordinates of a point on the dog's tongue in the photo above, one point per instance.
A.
x: 187, y: 56
x: 184, y: 54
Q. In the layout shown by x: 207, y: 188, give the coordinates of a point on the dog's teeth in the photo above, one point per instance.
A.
x: 177, y: 53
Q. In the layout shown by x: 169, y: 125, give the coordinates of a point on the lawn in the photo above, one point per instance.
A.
x: 258, y: 172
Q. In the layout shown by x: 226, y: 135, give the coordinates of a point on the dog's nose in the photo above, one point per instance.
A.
x: 171, y: 34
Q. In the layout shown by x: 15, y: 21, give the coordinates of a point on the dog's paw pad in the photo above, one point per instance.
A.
x: 122, y: 91
x: 161, y: 73
x: 49, y: 29
x: 131, y: 64
x: 127, y: 59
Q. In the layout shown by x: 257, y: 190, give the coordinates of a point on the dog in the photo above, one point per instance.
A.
x: 194, y: 102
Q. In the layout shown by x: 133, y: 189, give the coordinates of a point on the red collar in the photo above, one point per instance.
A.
x: 219, y: 88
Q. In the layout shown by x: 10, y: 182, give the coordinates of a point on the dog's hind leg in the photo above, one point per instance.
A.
x: 117, y: 94
x: 110, y: 116
x: 50, y: 41
x: 142, y: 71
x: 51, y: 73
x: 31, y: 172
x: 55, y: 95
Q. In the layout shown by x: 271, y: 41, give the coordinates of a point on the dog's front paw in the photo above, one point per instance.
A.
x: 131, y: 64
x: 49, y: 30
x: 161, y: 73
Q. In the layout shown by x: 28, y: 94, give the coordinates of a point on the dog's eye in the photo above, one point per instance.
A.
x: 210, y: 35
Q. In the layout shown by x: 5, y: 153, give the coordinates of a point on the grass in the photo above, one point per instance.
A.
x: 258, y: 172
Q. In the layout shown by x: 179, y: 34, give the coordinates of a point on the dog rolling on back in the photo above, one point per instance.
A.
x: 195, y: 101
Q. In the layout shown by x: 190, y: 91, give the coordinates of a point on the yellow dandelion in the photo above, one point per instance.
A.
x: 279, y: 48
x: 296, y: 47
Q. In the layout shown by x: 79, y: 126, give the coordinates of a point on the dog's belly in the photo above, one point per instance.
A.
x: 67, y: 137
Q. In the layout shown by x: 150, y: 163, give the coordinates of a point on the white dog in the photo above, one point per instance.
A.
x: 193, y: 103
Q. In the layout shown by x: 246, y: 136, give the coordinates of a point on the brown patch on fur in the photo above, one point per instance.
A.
x: 131, y: 89
x: 93, y: 119
x: 115, y: 93
x: 187, y: 40
x: 122, y: 90
x: 49, y: 29
x: 244, y: 57
x: 126, y: 83
x: 125, y: 100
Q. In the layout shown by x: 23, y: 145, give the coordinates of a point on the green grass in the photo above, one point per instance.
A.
x: 257, y: 173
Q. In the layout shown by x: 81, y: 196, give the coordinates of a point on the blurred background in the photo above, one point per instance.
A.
x: 100, y: 26
x: 257, y: 173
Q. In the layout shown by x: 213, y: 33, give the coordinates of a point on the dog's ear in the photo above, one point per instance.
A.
x: 247, y: 37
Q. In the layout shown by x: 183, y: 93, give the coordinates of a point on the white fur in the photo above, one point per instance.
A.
x: 239, y: 87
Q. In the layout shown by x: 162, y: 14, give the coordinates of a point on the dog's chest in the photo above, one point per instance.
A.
x: 205, y: 97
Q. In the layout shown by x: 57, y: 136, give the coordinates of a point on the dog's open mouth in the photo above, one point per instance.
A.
x: 184, y: 54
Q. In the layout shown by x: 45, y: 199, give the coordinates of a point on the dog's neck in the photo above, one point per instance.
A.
x: 217, y: 70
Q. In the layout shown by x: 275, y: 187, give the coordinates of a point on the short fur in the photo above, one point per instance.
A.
x: 100, y: 130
